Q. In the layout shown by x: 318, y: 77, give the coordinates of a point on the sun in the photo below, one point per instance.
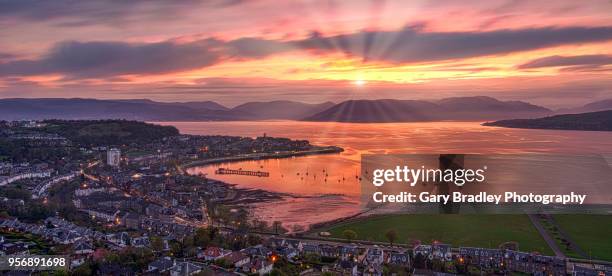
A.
x: 360, y: 83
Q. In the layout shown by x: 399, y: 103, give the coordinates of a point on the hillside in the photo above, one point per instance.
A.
x: 280, y: 109
x: 459, y: 108
x: 148, y: 110
x: 590, y: 107
x: 90, y: 109
x: 105, y: 132
x: 210, y: 105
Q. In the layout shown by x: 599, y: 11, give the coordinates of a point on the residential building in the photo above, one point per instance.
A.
x: 237, y: 259
x: 113, y: 157
x: 161, y: 265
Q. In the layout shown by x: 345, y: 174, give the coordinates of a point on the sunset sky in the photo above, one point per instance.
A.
x: 553, y: 53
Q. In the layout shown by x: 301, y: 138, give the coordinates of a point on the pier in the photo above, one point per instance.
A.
x: 242, y: 172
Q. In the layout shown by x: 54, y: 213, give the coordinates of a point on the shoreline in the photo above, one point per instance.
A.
x: 261, y: 156
x: 246, y: 197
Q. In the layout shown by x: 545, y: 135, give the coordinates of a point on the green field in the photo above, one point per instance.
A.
x: 592, y: 233
x: 458, y: 230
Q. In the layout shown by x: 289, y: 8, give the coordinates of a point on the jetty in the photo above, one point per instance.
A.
x: 242, y: 172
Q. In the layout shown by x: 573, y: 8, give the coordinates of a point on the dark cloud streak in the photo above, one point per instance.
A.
x: 411, y: 45
x: 107, y: 59
x: 103, y: 11
x: 585, y: 61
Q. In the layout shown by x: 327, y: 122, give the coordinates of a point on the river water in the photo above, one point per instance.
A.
x: 328, y: 185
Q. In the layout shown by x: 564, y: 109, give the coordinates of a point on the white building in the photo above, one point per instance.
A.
x: 32, y: 174
x: 89, y: 191
x: 113, y: 157
x: 109, y: 217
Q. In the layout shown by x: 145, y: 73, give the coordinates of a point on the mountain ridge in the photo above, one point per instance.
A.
x: 600, y: 105
x: 477, y: 108
x: 281, y: 109
x: 455, y: 108
x: 80, y: 108
x: 146, y: 110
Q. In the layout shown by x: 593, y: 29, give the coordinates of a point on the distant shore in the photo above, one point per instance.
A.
x: 261, y: 156
x: 592, y: 121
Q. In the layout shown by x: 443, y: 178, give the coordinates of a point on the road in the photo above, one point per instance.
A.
x: 546, y: 236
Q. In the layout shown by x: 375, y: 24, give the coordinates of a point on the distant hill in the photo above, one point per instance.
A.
x: 195, y: 105
x: 141, y: 110
x: 210, y: 105
x: 280, y: 109
x: 377, y: 111
x: 148, y: 110
x: 459, y: 108
x: 590, y: 107
x: 596, y: 121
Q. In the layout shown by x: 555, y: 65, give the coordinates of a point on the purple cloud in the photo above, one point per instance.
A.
x: 585, y: 61
x: 409, y: 45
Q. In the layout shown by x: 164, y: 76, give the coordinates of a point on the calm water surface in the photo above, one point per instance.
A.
x: 331, y: 179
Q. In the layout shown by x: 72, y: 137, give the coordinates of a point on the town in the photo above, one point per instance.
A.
x: 114, y: 196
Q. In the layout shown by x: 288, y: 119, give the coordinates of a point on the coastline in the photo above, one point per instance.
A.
x: 246, y: 197
x: 260, y: 156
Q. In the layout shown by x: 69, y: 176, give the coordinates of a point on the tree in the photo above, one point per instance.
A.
x: 223, y: 263
x: 84, y: 269
x: 259, y: 225
x: 222, y: 214
x: 277, y: 272
x: 391, y: 236
x: 61, y: 272
x: 176, y: 248
x: 277, y: 225
x: 112, y: 258
x: 213, y: 233
x: 202, y: 237
x: 349, y: 235
x: 438, y: 265
x: 253, y: 240
x: 157, y: 244
x: 312, y: 258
